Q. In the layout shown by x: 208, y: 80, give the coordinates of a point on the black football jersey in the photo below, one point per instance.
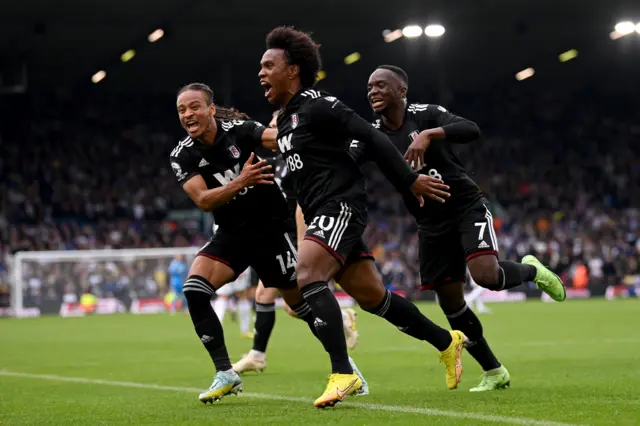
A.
x: 253, y: 208
x: 313, y: 140
x: 440, y: 161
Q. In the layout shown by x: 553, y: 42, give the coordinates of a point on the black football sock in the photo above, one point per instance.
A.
x: 406, y: 316
x: 466, y: 321
x: 327, y: 320
x: 198, y: 292
x: 265, y: 320
x: 303, y: 312
x: 512, y: 274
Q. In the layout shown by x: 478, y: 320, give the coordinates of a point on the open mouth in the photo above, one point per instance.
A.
x: 192, y: 125
x: 267, y: 88
x: 377, y: 103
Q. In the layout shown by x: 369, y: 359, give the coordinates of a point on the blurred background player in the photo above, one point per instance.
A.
x: 237, y: 288
x: 177, y: 274
x: 474, y: 297
x: 265, y: 298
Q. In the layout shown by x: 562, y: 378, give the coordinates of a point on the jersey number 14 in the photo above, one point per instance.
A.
x: 289, y: 264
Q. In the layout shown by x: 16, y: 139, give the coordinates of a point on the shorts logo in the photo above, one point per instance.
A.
x: 483, y: 245
x: 319, y: 233
x: 294, y: 121
x: 234, y: 152
x: 413, y: 135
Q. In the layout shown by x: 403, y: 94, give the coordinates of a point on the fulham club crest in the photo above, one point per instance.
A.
x: 413, y: 135
x: 234, y: 152
x: 294, y: 121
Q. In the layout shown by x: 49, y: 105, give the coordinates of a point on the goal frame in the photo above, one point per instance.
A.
x: 18, y: 281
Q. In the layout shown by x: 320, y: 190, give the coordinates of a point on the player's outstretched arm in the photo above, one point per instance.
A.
x: 211, y: 199
x: 381, y: 150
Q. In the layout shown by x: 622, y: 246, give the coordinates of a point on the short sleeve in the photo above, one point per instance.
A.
x: 431, y: 116
x: 357, y: 151
x: 251, y: 131
x: 329, y: 111
x: 183, y: 166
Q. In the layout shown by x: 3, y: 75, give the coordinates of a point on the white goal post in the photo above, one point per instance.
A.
x: 29, y: 260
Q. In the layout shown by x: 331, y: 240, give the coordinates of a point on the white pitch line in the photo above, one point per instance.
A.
x: 376, y: 407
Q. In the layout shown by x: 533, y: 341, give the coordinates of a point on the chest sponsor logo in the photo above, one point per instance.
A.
x: 234, y: 152
x: 284, y: 143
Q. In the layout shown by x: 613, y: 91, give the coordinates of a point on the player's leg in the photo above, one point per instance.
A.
x: 244, y: 314
x: 349, y: 324
x: 317, y: 263
x: 256, y: 359
x: 361, y: 280
x: 481, y: 247
x: 221, y: 302
x: 178, y: 299
x: 242, y: 284
x: 209, y: 272
x: 461, y: 317
x: 474, y: 297
x: 299, y: 306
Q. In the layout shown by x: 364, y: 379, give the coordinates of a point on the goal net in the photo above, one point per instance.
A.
x: 74, y: 283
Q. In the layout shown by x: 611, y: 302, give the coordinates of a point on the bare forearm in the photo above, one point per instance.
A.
x: 211, y: 199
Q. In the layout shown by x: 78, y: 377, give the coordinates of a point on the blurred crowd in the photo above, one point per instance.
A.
x: 561, y: 168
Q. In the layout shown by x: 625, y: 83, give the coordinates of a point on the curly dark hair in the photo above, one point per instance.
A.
x: 221, y: 112
x: 300, y: 49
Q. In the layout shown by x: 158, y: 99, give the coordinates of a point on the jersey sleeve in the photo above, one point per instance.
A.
x: 457, y: 129
x: 332, y: 114
x: 358, y: 152
x: 251, y: 131
x: 183, y: 165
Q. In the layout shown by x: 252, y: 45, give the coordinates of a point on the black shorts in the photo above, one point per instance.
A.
x: 272, y: 254
x: 445, y: 250
x: 338, y: 227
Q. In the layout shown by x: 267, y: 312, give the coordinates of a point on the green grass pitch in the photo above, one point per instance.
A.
x: 572, y: 363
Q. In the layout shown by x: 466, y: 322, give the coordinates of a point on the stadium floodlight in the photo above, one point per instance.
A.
x: 352, y: 58
x: 412, y: 31
x: 638, y: 27
x: 156, y: 35
x: 390, y: 36
x: 434, y: 31
x: 625, y: 27
x: 614, y: 35
x: 525, y: 74
x: 128, y: 55
x: 568, y: 55
x: 321, y: 75
x: 99, y: 76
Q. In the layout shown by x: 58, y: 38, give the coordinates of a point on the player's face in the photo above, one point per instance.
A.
x: 384, y: 90
x: 275, y: 75
x: 194, y: 113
